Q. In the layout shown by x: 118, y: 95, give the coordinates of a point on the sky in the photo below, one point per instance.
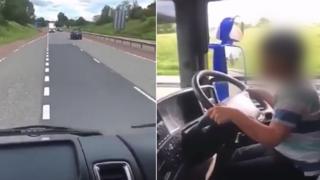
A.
x: 75, y: 8
x: 250, y: 11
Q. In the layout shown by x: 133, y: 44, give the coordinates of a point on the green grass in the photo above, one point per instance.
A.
x: 167, y: 55
x: 134, y: 29
x: 12, y: 31
x: 167, y: 58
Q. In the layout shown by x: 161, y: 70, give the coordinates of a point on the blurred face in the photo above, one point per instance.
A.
x: 274, y: 69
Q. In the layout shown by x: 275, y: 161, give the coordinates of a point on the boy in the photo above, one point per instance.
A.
x: 289, y: 147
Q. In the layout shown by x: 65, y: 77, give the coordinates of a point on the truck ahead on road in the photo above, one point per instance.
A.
x: 52, y: 27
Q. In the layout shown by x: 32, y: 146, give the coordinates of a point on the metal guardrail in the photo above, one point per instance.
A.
x: 137, y: 43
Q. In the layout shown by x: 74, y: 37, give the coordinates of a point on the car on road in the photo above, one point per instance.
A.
x: 52, y: 27
x: 76, y: 34
x: 59, y: 29
x: 51, y: 30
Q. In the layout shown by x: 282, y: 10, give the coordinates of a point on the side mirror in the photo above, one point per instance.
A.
x: 230, y: 30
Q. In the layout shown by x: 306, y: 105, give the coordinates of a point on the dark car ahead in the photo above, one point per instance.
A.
x: 76, y: 34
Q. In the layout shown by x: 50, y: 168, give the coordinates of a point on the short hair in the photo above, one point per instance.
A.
x: 285, y: 45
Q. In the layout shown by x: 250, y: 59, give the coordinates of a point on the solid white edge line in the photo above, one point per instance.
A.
x: 46, y: 91
x: 32, y: 41
x: 16, y: 50
x: 46, y: 112
x: 96, y: 60
x: 126, y: 52
x: 46, y: 70
x: 145, y: 94
x: 144, y: 58
x: 46, y: 78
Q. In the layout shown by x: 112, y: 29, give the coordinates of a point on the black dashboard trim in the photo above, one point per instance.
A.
x: 144, y: 176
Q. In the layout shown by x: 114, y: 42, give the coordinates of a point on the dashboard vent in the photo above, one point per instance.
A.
x: 113, y: 170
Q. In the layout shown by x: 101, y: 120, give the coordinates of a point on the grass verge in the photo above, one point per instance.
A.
x: 134, y: 28
x: 167, y: 56
x: 12, y: 31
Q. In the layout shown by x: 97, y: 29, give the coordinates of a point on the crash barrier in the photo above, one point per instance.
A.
x: 135, y: 43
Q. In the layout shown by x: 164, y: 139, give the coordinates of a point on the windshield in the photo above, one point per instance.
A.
x: 241, y: 60
x: 49, y: 76
x: 262, y: 16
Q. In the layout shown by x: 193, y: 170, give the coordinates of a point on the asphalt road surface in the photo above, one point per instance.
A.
x: 81, y: 84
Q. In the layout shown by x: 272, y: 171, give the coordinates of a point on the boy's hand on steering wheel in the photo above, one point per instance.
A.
x: 222, y: 114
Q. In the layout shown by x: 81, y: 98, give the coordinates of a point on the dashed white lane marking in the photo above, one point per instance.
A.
x: 46, y: 78
x: 2, y: 59
x: 81, y: 49
x: 96, y: 60
x: 46, y: 91
x: 145, y: 94
x: 16, y: 50
x: 46, y: 112
x: 45, y: 138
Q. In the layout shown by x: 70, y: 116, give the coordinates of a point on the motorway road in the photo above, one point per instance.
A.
x: 82, y: 84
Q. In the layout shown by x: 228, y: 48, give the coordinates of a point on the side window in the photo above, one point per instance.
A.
x: 167, y: 54
x: 237, y: 55
x: 258, y: 19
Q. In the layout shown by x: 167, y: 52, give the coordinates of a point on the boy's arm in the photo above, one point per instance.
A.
x: 269, y: 135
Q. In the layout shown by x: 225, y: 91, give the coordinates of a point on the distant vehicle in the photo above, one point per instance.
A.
x: 52, y: 27
x: 59, y: 29
x: 76, y: 34
x: 51, y: 30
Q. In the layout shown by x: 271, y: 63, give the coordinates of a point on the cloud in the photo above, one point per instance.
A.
x: 166, y: 8
x: 75, y: 8
x: 41, y: 3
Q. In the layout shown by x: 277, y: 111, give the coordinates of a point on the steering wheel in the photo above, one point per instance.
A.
x: 266, y: 110
x: 202, y: 138
x: 201, y: 96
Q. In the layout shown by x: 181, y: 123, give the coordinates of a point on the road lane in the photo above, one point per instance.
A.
x: 21, y: 74
x: 85, y: 93
x: 140, y: 71
x: 69, y: 87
